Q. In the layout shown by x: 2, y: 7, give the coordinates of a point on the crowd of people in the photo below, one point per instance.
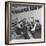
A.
x: 23, y: 26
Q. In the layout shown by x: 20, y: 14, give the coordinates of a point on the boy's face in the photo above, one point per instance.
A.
x: 31, y: 19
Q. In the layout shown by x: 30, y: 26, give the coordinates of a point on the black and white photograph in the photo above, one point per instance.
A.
x: 24, y: 22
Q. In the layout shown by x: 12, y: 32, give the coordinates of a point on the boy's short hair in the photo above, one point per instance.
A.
x: 36, y: 20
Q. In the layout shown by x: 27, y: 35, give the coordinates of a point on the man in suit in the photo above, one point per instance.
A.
x: 37, y: 33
